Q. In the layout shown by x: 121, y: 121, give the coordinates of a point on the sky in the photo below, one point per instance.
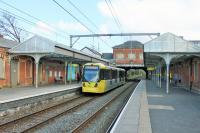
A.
x: 181, y: 17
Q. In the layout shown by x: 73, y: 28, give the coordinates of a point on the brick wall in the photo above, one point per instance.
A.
x: 186, y: 72
x: 5, y: 81
x: 126, y: 60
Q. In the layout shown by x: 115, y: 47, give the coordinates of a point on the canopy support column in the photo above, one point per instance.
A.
x: 167, y: 84
x: 36, y: 74
x: 37, y: 59
x: 160, y: 77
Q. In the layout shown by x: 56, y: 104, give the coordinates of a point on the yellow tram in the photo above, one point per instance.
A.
x: 99, y: 78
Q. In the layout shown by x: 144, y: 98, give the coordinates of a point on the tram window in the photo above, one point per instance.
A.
x: 104, y: 74
x: 110, y: 74
x: 115, y: 74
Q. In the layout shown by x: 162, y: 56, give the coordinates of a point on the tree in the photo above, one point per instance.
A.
x: 8, y: 27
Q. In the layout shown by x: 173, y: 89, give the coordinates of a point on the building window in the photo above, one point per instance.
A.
x: 141, y: 56
x: 59, y: 74
x: 196, y: 71
x: 50, y: 74
x: 55, y: 74
x: 132, y: 56
x: 120, y: 56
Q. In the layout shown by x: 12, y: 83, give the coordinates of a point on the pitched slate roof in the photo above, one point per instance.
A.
x: 107, y: 56
x: 6, y: 43
x: 130, y: 44
x: 92, y: 50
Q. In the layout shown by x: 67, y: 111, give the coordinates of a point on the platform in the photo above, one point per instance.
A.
x: 13, y: 97
x: 176, y: 112
x: 151, y: 109
x: 134, y: 117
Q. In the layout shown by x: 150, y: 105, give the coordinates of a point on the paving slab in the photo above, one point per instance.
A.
x: 176, y: 112
x: 13, y: 94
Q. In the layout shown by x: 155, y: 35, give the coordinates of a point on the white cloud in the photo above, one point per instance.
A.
x: 42, y: 28
x: 104, y: 29
x: 70, y: 26
x: 178, y: 16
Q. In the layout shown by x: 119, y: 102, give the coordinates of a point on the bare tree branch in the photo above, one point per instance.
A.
x: 8, y: 27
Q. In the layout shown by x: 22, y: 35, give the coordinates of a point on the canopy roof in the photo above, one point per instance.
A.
x: 41, y: 45
x: 170, y: 43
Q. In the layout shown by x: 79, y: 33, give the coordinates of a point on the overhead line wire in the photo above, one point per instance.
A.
x: 77, y: 20
x: 73, y: 16
x: 115, y: 14
x: 115, y: 20
x: 26, y: 20
x: 83, y: 14
x: 23, y: 12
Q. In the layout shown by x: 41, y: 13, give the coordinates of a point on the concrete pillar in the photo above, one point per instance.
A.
x: 65, y: 78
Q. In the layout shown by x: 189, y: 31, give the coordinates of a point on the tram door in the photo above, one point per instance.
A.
x: 14, y: 73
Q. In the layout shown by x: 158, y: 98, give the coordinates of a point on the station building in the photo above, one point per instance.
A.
x: 176, y: 61
x: 5, y: 45
x: 187, y: 71
x: 39, y: 61
x: 128, y: 54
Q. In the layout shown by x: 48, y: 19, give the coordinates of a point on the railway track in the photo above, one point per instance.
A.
x: 88, y: 121
x: 73, y: 110
x: 36, y: 120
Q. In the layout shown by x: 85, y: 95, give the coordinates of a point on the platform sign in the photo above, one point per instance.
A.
x: 71, y: 73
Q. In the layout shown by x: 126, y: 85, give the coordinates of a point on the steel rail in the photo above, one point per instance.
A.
x: 29, y: 115
x: 49, y: 120
x: 99, y: 111
x: 118, y: 113
x: 37, y: 125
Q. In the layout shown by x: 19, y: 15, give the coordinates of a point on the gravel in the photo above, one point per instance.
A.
x: 69, y: 121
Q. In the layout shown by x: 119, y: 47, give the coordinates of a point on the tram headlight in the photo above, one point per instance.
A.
x: 96, y: 85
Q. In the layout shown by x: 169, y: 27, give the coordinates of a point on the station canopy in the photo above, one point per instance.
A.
x: 43, y: 47
x: 170, y: 43
x: 175, y: 46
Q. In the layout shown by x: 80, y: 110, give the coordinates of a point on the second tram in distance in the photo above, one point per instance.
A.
x: 99, y: 78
